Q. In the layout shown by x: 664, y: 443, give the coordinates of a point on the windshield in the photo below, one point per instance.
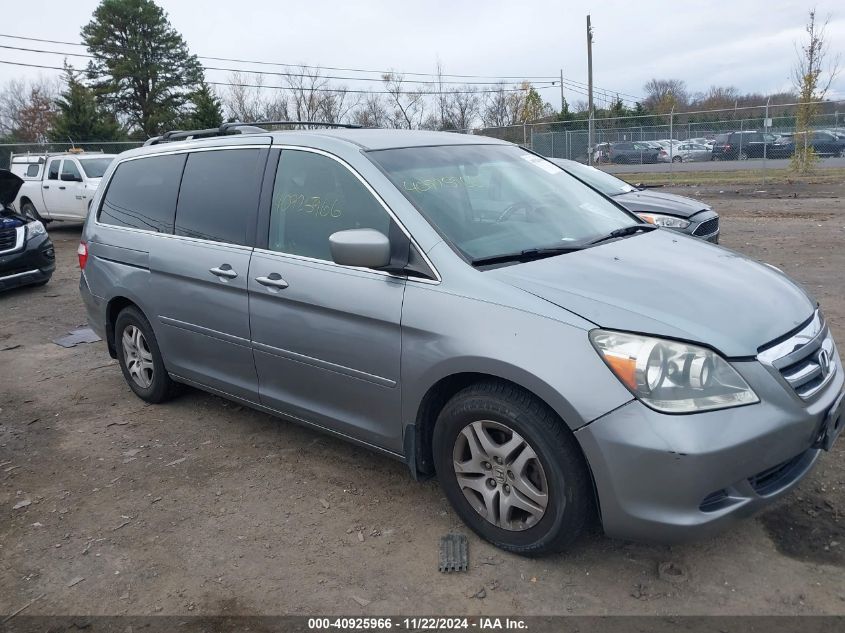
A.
x: 95, y: 167
x: 489, y: 200
x: 597, y: 179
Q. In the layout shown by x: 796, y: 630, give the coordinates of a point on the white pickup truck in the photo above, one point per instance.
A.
x: 58, y: 186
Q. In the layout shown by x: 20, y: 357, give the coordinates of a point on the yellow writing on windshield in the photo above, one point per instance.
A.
x: 435, y: 184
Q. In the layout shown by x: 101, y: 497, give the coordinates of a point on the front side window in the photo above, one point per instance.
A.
x: 315, y: 196
x: 70, y: 172
x: 218, y: 199
x: 491, y: 200
x: 53, y: 171
x: 142, y: 193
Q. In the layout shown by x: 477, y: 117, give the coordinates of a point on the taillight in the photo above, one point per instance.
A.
x: 82, y: 253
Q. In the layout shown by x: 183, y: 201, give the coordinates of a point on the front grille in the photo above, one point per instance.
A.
x: 777, y: 477
x: 7, y: 239
x: 807, y: 360
x: 707, y: 227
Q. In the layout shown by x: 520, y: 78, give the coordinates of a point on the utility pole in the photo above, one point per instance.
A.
x: 589, y: 92
x: 562, y: 98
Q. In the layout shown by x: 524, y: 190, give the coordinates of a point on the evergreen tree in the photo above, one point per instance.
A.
x: 208, y: 111
x: 141, y: 66
x: 80, y: 118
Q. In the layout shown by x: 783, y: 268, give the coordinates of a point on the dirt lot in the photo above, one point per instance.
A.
x: 201, y: 506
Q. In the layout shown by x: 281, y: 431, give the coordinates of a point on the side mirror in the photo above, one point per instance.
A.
x: 365, y: 248
x: 71, y: 178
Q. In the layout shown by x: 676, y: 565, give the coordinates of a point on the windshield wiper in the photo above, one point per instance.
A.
x: 625, y: 231
x: 525, y: 255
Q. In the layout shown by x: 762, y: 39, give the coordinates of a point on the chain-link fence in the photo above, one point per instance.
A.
x: 749, y: 132
x: 40, y: 149
x: 756, y: 132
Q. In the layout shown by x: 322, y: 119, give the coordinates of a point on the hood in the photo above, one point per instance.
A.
x: 660, y: 202
x: 10, y: 184
x: 667, y: 284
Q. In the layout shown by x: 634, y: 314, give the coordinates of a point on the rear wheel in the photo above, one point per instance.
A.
x: 512, y: 469
x: 677, y: 159
x: 140, y: 358
x: 743, y: 155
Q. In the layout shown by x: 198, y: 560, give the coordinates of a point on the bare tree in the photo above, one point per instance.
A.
x: 812, y: 77
x: 462, y: 107
x: 664, y: 94
x: 243, y: 99
x: 371, y: 112
x: 27, y: 108
x: 407, y: 106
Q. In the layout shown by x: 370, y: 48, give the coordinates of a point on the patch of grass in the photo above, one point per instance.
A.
x: 744, y: 177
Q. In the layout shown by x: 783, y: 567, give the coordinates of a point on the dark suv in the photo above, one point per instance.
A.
x: 823, y: 142
x: 742, y: 145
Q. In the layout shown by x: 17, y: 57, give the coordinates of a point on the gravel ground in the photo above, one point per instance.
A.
x: 200, y: 506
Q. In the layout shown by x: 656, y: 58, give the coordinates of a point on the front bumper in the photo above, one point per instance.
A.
x: 673, y: 478
x: 33, y: 264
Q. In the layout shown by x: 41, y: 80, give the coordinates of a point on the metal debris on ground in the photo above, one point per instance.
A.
x: 454, y: 553
x: 77, y: 336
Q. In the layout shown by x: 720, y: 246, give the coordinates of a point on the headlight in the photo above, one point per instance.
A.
x: 34, y: 229
x: 669, y: 221
x: 670, y: 376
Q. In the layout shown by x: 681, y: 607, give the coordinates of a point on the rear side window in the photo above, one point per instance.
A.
x: 32, y: 170
x: 142, y: 193
x: 218, y: 199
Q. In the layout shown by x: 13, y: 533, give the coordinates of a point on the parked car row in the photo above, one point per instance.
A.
x: 736, y: 145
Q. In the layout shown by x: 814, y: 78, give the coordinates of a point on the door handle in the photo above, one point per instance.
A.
x: 62, y: 187
x: 46, y: 186
x: 273, y: 280
x: 225, y: 271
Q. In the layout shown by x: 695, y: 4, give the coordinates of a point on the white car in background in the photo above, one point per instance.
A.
x: 58, y: 186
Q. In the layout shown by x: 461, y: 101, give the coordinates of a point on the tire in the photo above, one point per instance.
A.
x: 548, y: 460
x: 743, y: 156
x: 842, y: 153
x: 140, y: 358
x: 29, y: 211
x: 677, y: 159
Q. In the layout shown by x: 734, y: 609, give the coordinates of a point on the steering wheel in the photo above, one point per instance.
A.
x: 513, y: 208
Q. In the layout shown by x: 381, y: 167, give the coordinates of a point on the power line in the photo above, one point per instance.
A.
x: 266, y: 63
x: 339, y: 90
x: 573, y: 83
x: 280, y: 74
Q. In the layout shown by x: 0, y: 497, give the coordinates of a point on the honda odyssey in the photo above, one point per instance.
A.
x: 466, y: 306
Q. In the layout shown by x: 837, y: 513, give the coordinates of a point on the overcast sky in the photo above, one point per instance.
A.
x: 743, y: 43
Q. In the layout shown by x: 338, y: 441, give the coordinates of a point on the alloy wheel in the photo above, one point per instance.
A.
x: 137, y: 356
x: 500, y: 475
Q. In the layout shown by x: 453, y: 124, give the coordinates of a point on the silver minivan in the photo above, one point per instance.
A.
x: 468, y: 307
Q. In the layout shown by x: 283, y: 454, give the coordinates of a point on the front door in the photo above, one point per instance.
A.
x: 326, y: 338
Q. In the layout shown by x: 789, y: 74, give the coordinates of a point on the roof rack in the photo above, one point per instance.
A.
x: 236, y: 127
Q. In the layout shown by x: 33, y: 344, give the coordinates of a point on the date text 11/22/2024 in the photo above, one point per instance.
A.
x: 479, y: 623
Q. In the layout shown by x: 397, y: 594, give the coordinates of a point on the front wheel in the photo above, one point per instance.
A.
x: 512, y: 469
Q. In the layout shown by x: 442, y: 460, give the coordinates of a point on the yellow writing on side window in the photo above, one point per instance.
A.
x: 435, y: 184
x: 314, y: 205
